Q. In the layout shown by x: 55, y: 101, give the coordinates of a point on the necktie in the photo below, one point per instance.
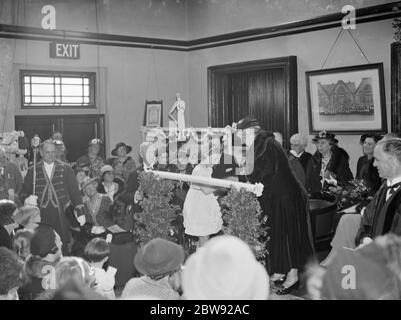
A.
x: 392, y: 189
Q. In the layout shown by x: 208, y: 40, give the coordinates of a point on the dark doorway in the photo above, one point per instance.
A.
x: 264, y: 89
x: 77, y: 130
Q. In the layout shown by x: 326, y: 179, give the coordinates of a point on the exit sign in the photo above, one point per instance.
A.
x: 64, y: 50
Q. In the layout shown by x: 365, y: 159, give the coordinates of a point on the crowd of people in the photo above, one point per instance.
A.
x: 59, y: 225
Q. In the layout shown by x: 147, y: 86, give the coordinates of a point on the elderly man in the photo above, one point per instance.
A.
x: 382, y: 214
x: 10, y: 177
x: 56, y: 189
x: 298, y: 144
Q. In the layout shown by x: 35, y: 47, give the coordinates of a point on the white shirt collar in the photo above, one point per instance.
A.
x: 295, y: 154
x: 393, y: 181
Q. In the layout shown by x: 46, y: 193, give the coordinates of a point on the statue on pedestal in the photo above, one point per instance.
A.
x: 179, y: 123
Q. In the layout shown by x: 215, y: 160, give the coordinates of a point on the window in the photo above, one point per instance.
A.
x: 57, y: 89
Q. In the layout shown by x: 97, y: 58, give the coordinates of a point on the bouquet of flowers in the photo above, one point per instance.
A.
x: 242, y: 218
x: 353, y: 193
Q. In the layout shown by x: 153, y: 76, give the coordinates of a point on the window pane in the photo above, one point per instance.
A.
x: 86, y: 90
x: 42, y: 90
x: 75, y: 100
x: 57, y: 89
x: 27, y: 89
x: 44, y: 100
x: 71, y: 90
x: 42, y: 79
x: 71, y: 81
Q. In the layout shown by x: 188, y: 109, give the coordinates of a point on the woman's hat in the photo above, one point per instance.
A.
x: 95, y: 141
x: 43, y: 241
x: 87, y: 181
x: 225, y: 268
x: 159, y: 256
x: 325, y: 135
x: 106, y: 168
x: 121, y: 144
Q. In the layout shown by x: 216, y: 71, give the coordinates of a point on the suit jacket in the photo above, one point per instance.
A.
x: 381, y: 216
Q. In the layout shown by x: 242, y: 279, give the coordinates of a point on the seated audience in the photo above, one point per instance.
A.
x: 120, y: 152
x: 10, y: 178
x: 298, y: 145
x: 7, y: 223
x: 11, y: 270
x: 97, y: 253
x: 92, y: 159
x: 80, y: 174
x: 381, y: 215
x: 365, y: 169
x: 329, y: 165
x: 225, y: 268
x: 45, y: 253
x: 109, y: 184
x: 158, y: 261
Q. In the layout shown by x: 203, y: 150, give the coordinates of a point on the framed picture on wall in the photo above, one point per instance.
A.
x: 153, y: 114
x: 349, y: 100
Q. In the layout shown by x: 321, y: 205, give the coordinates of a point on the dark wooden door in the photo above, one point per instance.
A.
x: 266, y: 90
x: 77, y: 130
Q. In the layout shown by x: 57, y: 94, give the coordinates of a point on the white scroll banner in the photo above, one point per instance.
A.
x: 256, y: 188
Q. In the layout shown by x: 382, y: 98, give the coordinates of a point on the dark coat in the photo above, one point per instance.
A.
x: 304, y: 159
x: 338, y: 166
x: 285, y: 203
x: 381, y: 216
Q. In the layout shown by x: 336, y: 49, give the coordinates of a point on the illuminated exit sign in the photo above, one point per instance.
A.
x: 64, y: 50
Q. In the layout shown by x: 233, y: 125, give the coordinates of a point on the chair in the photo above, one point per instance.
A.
x: 322, y: 213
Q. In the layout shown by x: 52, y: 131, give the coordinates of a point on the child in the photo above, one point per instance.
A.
x: 97, y: 252
x: 202, y: 215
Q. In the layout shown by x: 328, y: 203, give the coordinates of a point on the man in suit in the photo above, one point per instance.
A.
x: 56, y: 189
x: 382, y: 214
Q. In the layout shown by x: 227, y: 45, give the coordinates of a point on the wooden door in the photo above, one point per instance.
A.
x: 266, y: 90
x: 78, y: 130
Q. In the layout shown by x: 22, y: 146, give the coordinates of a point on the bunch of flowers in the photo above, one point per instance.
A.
x: 242, y: 218
x: 353, y: 193
x: 158, y: 212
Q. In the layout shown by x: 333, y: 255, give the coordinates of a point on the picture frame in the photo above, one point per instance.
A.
x: 347, y: 100
x: 153, y: 113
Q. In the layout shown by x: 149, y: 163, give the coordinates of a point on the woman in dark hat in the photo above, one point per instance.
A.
x: 365, y: 169
x: 121, y: 152
x: 45, y: 250
x: 329, y: 165
x: 92, y: 159
x: 284, y: 203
